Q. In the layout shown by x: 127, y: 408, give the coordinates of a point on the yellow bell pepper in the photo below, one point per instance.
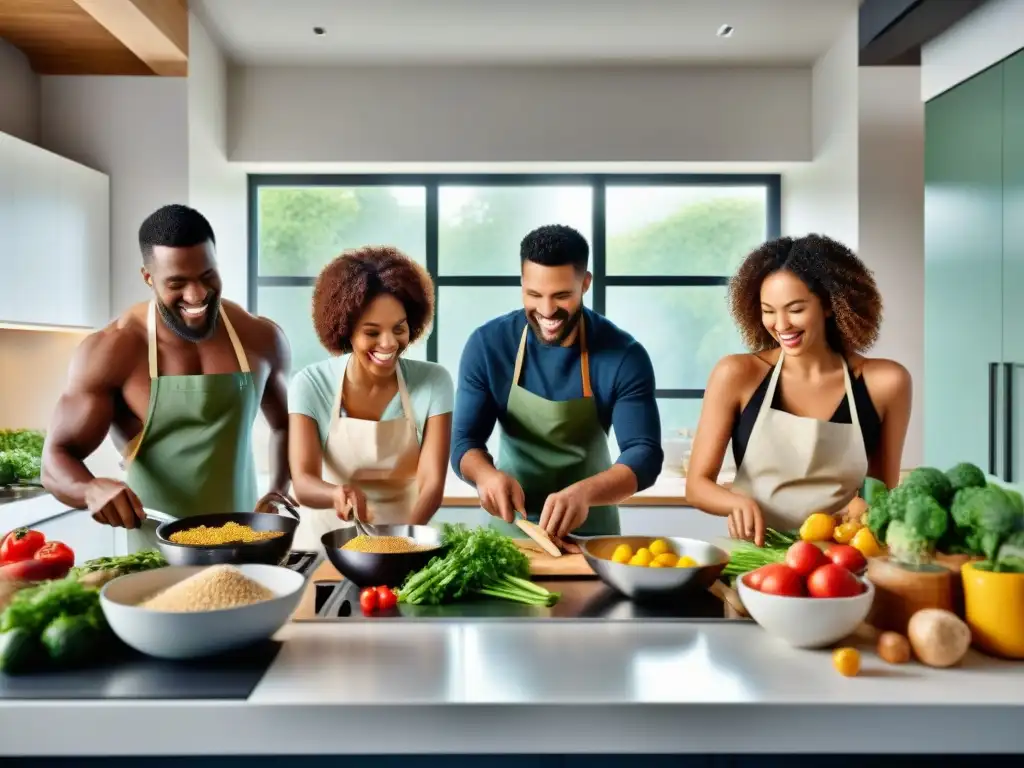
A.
x: 865, y: 543
x: 844, y: 533
x: 818, y: 527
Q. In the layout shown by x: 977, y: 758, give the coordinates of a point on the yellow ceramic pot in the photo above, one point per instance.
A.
x: 994, y: 610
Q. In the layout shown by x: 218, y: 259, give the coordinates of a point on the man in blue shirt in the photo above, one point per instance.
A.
x: 556, y: 377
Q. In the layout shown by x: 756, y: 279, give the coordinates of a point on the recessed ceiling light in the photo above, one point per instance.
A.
x: 319, y: 31
x: 725, y: 30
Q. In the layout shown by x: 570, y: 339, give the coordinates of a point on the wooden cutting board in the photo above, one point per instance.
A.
x: 542, y: 564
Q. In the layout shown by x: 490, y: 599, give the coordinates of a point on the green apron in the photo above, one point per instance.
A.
x: 194, y: 453
x: 548, y: 445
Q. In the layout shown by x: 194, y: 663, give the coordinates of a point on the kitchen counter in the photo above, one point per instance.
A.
x: 532, y: 687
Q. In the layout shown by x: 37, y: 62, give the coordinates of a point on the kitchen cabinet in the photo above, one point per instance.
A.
x: 55, y: 249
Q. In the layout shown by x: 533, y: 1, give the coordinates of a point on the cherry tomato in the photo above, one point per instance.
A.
x: 782, y: 580
x: 55, y: 552
x: 368, y: 600
x: 833, y: 581
x: 20, y: 544
x: 386, y: 598
x: 754, y: 578
x: 803, y: 557
x: 847, y: 557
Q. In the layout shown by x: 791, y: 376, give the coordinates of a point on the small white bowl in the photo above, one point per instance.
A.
x: 807, y: 622
x: 170, y: 635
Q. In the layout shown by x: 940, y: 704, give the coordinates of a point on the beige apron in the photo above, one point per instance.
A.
x: 379, y: 457
x: 795, y: 466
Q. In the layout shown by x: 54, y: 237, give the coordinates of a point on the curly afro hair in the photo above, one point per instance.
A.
x: 555, y: 245
x: 348, y: 284
x: 831, y: 271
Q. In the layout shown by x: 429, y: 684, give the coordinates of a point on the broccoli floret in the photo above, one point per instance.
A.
x: 966, y: 475
x: 906, y: 544
x: 1014, y: 497
x: 925, y: 516
x: 986, y: 517
x: 932, y: 481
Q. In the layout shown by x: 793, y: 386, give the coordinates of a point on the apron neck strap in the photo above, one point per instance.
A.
x: 584, y: 357
x: 769, y: 396
x: 243, y: 360
x: 403, y: 393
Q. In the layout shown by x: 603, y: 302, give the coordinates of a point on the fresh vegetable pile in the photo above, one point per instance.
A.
x: 26, y: 555
x: 807, y: 571
x: 479, y: 561
x: 956, y: 512
x: 21, y: 452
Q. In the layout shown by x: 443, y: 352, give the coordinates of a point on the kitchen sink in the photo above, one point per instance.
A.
x: 11, y: 493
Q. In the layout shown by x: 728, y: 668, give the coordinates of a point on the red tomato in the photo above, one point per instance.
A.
x: 55, y: 552
x: 833, y: 581
x: 368, y: 600
x: 803, y: 557
x: 847, y: 557
x: 780, y: 579
x: 20, y: 544
x: 386, y: 598
x: 34, y: 570
x: 754, y: 578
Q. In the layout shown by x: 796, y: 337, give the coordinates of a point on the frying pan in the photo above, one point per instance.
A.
x: 270, y: 551
x: 653, y: 584
x: 368, y: 569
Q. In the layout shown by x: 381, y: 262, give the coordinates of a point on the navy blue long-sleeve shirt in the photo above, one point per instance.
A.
x: 621, y: 378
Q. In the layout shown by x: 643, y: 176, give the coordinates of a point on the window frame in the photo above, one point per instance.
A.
x: 432, y: 182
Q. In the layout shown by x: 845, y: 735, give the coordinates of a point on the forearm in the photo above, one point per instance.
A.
x: 708, y: 496
x: 66, y: 477
x: 428, y: 501
x: 313, y: 491
x: 475, y: 464
x: 612, y: 486
x: 280, y: 471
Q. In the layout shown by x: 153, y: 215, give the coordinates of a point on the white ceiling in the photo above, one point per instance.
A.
x: 773, y: 32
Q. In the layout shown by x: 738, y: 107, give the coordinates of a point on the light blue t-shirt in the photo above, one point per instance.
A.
x: 313, y: 389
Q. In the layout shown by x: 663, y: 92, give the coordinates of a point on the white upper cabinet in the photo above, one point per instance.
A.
x: 54, y: 239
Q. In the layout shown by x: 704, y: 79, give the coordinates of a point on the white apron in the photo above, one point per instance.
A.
x: 795, y: 465
x: 379, y: 457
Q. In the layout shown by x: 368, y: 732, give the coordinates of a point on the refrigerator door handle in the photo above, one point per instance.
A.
x: 993, y: 395
x: 1008, y: 422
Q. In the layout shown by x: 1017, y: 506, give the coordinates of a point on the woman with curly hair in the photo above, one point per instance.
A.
x: 808, y: 415
x: 369, y: 431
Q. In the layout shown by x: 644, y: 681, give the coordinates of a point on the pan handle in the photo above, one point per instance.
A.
x: 281, y: 501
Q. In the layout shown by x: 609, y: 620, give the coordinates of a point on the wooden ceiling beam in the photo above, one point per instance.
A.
x: 156, y: 31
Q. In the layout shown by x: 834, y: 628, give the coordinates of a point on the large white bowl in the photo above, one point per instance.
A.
x: 170, y: 635
x: 807, y: 622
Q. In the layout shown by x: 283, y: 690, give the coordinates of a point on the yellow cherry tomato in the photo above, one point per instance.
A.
x: 667, y: 559
x: 686, y: 562
x: 846, y: 661
x: 844, y: 533
x: 659, y: 547
x: 865, y: 543
x: 642, y: 557
x: 655, y: 564
x: 622, y: 553
x: 818, y: 527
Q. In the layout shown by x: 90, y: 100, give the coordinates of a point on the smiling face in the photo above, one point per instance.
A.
x: 553, y: 300
x: 792, y: 313
x: 187, y: 288
x: 381, y: 336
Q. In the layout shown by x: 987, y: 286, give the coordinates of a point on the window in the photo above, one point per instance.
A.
x: 662, y: 249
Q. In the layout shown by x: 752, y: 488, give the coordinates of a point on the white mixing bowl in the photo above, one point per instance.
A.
x: 171, y: 635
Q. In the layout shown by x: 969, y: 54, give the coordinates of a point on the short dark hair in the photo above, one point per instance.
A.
x: 555, y: 245
x: 831, y: 271
x: 347, y: 285
x: 174, y: 226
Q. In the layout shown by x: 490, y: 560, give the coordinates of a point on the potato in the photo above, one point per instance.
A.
x: 939, y: 637
x: 893, y: 648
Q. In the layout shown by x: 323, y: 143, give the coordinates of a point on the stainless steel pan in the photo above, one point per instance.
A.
x: 644, y: 584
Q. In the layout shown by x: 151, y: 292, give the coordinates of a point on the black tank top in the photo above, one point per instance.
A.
x: 870, y: 423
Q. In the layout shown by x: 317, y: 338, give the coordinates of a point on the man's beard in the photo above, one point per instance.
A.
x: 172, y: 319
x: 568, y: 326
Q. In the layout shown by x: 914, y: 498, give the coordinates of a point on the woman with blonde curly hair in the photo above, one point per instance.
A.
x: 808, y: 415
x: 369, y: 431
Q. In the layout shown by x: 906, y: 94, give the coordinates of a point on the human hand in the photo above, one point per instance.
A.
x: 349, y: 499
x: 747, y: 521
x: 113, y: 503
x: 564, y: 512
x: 268, y: 503
x: 502, y: 496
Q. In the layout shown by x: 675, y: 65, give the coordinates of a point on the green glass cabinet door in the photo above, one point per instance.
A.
x: 963, y: 268
x: 1013, y: 269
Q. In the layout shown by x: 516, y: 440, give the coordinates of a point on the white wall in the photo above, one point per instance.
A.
x: 987, y: 35
x: 519, y: 114
x: 19, y: 95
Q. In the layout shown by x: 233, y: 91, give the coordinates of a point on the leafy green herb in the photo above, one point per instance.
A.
x: 145, y: 560
x: 747, y: 556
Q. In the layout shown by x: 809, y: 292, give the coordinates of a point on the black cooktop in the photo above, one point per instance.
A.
x: 582, y: 599
x: 127, y: 674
